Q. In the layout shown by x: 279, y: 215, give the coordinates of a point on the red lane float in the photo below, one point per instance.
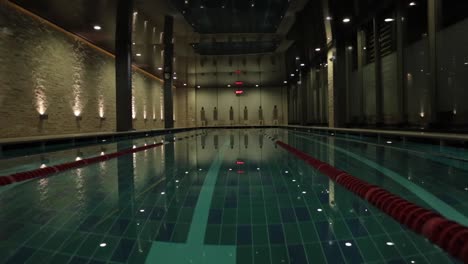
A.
x: 447, y: 234
x: 43, y: 172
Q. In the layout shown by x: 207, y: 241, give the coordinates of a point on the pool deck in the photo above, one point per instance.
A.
x: 45, y: 139
x: 390, y: 133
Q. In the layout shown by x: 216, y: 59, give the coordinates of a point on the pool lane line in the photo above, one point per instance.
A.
x: 44, y: 172
x: 430, y: 199
x: 194, y: 250
x: 448, y: 235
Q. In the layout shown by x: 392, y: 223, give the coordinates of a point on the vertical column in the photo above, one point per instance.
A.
x: 331, y: 87
x: 360, y: 69
x: 123, y: 65
x: 348, y: 68
x: 434, y: 7
x: 378, y: 74
x: 307, y: 98
x: 323, y: 82
x: 401, y: 43
x: 149, y: 44
x: 315, y: 91
x: 168, y: 72
x: 340, y: 80
x: 301, y: 95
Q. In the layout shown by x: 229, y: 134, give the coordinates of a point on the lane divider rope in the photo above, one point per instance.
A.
x: 447, y: 234
x: 47, y: 171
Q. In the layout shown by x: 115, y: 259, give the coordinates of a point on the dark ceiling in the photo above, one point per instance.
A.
x: 233, y: 16
x: 249, y: 30
x: 235, y: 48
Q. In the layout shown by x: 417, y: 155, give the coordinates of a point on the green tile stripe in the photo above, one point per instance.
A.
x: 194, y: 251
x: 202, y: 209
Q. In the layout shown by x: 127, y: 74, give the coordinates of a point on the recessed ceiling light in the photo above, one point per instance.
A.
x: 346, y: 20
x: 329, y: 18
x: 229, y: 85
x: 102, y: 244
x: 390, y: 243
x: 285, y: 81
x: 297, y: 58
x: 160, y: 69
x: 348, y: 244
x: 97, y: 27
x: 317, y: 49
x: 412, y: 3
x: 138, y: 54
x: 302, y: 64
x: 175, y: 77
x: 389, y: 19
x: 292, y: 74
x: 185, y: 84
x: 256, y: 85
x: 198, y: 86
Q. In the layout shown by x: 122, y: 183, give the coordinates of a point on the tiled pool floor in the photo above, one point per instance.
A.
x: 229, y: 196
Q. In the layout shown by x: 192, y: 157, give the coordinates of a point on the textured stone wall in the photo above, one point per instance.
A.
x: 43, y: 70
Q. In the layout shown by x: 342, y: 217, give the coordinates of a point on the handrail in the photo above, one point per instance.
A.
x: 392, y: 133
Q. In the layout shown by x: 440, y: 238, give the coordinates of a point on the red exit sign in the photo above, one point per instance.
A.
x: 239, y: 92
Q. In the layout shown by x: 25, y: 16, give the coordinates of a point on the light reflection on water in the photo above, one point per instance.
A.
x: 158, y: 190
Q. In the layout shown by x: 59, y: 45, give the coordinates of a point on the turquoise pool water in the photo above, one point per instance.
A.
x: 228, y: 196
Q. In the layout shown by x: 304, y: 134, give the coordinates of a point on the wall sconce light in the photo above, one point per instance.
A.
x: 43, y: 116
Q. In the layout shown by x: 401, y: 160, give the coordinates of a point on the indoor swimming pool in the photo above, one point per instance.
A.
x: 220, y: 196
